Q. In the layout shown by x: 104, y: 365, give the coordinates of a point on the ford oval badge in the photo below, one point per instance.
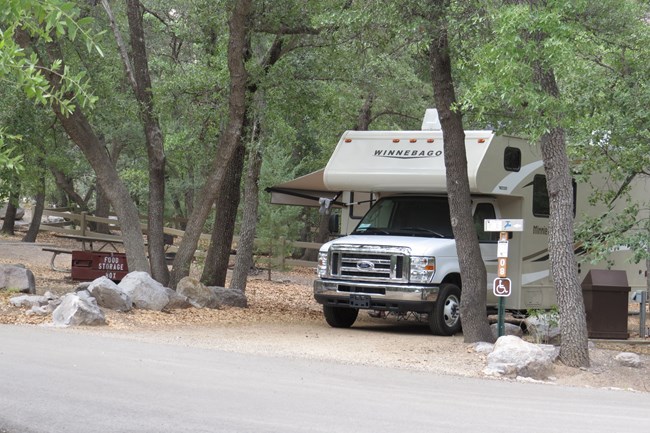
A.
x: 364, y: 265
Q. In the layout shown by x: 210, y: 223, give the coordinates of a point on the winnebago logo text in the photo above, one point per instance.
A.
x: 407, y: 154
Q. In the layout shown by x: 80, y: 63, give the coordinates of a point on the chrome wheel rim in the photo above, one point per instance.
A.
x: 451, y: 312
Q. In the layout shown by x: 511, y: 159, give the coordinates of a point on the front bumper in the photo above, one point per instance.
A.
x: 386, y: 297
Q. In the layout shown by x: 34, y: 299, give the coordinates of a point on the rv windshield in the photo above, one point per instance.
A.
x: 426, y: 216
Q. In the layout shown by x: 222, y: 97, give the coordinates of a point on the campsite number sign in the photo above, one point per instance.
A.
x: 502, y: 285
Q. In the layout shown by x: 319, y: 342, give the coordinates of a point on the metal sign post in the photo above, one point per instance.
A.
x: 502, y: 286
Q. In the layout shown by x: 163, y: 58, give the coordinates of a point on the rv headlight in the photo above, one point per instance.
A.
x: 422, y: 269
x: 321, y: 268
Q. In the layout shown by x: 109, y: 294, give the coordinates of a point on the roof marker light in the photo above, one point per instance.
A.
x: 348, y: 140
x: 395, y: 140
x: 429, y: 140
x: 413, y: 140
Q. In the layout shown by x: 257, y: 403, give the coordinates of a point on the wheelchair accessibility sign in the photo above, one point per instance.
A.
x: 501, y: 287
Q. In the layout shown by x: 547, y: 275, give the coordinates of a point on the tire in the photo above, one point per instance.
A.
x: 338, y: 317
x: 445, y: 317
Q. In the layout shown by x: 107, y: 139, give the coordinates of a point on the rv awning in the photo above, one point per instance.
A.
x: 306, y: 190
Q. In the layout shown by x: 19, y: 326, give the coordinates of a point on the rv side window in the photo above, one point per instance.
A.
x: 512, y: 159
x: 482, y: 212
x: 540, y: 196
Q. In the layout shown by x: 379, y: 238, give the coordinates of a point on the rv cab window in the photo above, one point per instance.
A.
x: 426, y: 216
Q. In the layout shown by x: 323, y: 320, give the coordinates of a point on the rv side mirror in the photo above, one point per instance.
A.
x: 334, y: 223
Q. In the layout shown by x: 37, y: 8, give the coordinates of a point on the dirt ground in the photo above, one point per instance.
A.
x: 284, y: 320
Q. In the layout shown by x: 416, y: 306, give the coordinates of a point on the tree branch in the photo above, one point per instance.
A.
x: 126, y: 62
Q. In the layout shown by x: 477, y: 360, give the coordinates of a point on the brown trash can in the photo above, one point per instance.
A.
x: 606, y: 296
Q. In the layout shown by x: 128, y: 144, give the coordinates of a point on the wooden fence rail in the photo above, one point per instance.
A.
x: 275, y: 250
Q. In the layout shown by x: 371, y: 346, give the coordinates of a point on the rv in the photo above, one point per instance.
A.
x: 398, y: 254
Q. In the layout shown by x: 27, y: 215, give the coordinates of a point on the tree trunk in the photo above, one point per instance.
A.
x: 472, y: 268
x: 240, y: 27
x: 82, y: 134
x: 574, y: 350
x: 322, y: 236
x: 102, y: 205
x: 365, y: 114
x: 244, y: 259
x: 80, y: 131
x: 9, y: 223
x: 155, y: 148
x: 218, y: 257
x: 102, y: 210
x: 65, y: 184
x: 37, y: 213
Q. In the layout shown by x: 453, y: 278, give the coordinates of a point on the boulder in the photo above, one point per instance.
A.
x: 145, y: 292
x: 29, y: 301
x: 509, y: 328
x: 513, y: 357
x: 44, y: 310
x: 17, y: 277
x: 54, y: 219
x: 628, y: 359
x: 230, y: 297
x: 78, y: 308
x: 176, y: 301
x: 197, y: 293
x: 148, y: 294
x: 109, y: 295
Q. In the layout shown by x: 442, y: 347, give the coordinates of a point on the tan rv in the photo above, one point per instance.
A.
x: 399, y: 254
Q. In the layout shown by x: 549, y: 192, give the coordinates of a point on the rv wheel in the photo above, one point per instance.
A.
x: 445, y: 318
x: 338, y: 317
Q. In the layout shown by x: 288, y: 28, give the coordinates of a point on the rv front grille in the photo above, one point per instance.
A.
x: 369, y: 263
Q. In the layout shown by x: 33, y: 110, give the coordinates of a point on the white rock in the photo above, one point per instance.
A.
x: 628, y: 359
x: 513, y: 356
x: 148, y: 294
x: 78, y: 309
x: 482, y: 347
x: 109, y: 295
x: 145, y: 292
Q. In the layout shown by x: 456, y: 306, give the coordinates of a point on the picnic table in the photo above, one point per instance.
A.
x: 88, y: 243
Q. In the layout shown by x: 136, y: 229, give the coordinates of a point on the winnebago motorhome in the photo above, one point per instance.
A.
x: 400, y: 256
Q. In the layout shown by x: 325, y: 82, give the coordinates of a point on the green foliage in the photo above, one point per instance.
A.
x: 611, y: 143
x: 335, y: 56
x: 9, y: 160
x: 11, y: 164
x: 548, y: 319
x: 598, y: 52
x: 45, y: 20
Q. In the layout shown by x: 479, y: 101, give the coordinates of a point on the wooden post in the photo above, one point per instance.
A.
x: 283, y: 245
x: 83, y: 223
x: 270, y: 261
